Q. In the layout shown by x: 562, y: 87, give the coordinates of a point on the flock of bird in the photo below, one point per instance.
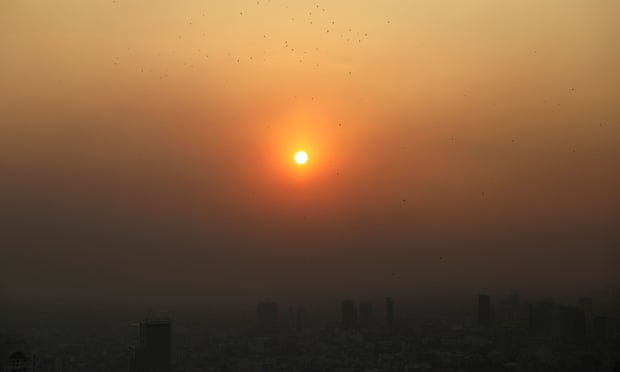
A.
x: 316, y: 17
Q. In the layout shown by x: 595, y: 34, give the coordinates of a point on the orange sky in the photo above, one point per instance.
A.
x: 478, y: 131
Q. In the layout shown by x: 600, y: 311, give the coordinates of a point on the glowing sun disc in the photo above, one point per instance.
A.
x: 301, y: 157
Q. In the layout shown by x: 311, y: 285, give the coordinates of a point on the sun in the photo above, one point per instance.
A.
x: 301, y: 157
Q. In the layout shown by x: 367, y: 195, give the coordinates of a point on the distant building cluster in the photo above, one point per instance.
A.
x: 498, y: 333
x: 360, y: 317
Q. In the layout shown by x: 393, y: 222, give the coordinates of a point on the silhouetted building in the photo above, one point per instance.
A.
x: 389, y: 313
x: 267, y: 317
x: 349, y: 315
x: 365, y: 315
x: 153, y: 353
x: 485, y: 311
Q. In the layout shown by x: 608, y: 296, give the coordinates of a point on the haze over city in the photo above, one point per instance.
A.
x: 209, y: 155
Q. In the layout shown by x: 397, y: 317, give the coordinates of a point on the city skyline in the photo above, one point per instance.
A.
x: 493, y: 333
x: 309, y: 186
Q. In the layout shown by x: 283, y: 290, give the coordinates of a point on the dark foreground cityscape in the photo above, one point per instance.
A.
x: 497, y: 333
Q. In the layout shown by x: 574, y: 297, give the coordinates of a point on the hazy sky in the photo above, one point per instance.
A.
x: 146, y: 147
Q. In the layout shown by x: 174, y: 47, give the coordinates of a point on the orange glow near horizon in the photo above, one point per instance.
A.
x: 482, y: 132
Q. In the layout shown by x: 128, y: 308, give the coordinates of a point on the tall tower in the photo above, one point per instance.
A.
x: 154, y: 350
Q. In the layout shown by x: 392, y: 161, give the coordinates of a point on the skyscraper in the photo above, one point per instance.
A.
x: 153, y: 353
x: 485, y: 311
x: 389, y: 313
x: 349, y: 315
x: 267, y: 317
